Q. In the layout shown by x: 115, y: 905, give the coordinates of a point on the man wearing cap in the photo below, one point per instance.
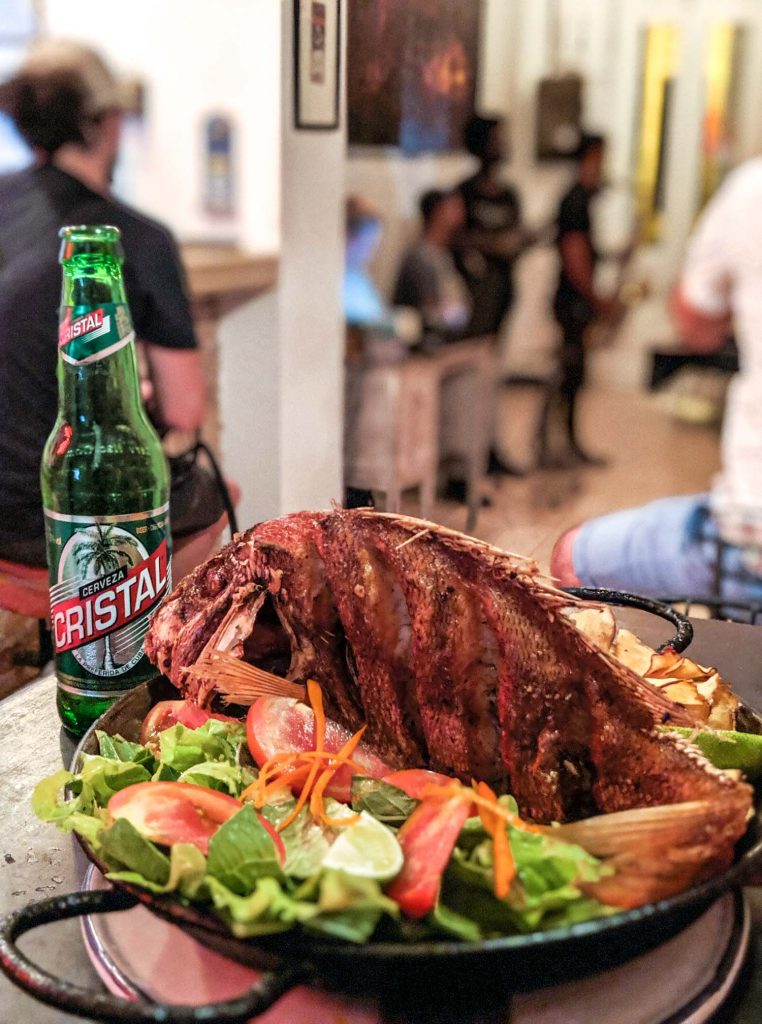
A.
x: 66, y: 104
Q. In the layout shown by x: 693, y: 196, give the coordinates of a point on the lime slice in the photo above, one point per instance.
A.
x: 726, y: 749
x: 367, y: 849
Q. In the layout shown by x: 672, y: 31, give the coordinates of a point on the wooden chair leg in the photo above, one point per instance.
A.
x: 473, y: 494
x: 393, y: 502
x: 428, y: 492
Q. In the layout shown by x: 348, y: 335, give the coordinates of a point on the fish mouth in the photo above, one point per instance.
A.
x: 268, y: 646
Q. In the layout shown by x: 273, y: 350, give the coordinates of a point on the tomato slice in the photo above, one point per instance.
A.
x: 415, y: 781
x: 180, y: 812
x: 427, y: 839
x: 282, y: 725
x: 169, y: 712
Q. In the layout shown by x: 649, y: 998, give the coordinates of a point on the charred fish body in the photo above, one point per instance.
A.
x: 456, y: 655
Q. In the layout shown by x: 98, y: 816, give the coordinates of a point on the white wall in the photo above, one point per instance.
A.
x: 195, y: 57
x: 281, y: 369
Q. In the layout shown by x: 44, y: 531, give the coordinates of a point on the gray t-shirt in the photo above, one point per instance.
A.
x: 429, y: 282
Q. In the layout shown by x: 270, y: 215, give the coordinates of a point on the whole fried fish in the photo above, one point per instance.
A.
x: 455, y: 654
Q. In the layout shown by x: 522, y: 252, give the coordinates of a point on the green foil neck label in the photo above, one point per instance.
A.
x: 108, y: 575
x: 86, y: 335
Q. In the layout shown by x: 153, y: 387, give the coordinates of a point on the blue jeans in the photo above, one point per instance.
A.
x: 668, y: 547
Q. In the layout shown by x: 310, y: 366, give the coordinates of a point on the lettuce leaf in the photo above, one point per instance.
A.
x: 219, y: 775
x: 385, y: 802
x: 544, y: 894
x: 306, y: 841
x: 104, y: 776
x: 119, y: 749
x: 187, y: 872
x: 446, y: 921
x: 78, y: 814
x: 241, y: 852
x: 124, y: 847
x: 349, y: 908
x: 265, y: 910
x: 181, y: 748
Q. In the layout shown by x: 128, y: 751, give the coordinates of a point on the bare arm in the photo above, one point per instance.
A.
x: 577, y: 259
x: 179, y: 392
x: 699, y: 332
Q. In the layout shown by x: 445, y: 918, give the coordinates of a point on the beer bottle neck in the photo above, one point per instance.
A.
x: 91, y: 279
x: 97, y: 366
x: 106, y: 391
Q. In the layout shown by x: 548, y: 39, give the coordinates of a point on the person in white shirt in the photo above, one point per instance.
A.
x: 671, y: 546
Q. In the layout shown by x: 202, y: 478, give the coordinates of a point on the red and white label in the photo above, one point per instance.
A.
x: 107, y: 604
x: 94, y: 324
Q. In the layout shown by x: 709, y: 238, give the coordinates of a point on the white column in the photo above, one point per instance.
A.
x: 281, y: 356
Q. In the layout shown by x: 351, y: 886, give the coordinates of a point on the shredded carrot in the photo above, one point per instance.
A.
x: 317, y: 805
x: 312, y: 769
x: 503, y: 865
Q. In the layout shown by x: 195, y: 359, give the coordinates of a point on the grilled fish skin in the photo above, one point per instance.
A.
x: 218, y: 606
x: 461, y: 660
x: 288, y: 554
x: 377, y: 625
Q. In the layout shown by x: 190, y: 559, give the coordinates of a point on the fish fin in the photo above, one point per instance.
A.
x: 656, y: 852
x: 241, y: 683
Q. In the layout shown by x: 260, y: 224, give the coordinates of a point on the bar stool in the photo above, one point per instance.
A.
x: 391, y: 430
x: 25, y: 644
x: 24, y: 590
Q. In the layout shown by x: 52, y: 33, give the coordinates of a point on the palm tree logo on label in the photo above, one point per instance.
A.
x: 98, y: 559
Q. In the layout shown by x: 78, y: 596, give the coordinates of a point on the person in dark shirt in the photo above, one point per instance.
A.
x: 66, y: 104
x: 493, y: 239
x: 576, y: 304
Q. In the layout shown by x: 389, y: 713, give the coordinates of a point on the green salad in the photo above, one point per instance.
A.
x: 180, y: 815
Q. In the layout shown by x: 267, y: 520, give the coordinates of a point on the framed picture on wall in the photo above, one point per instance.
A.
x: 412, y: 68
x: 317, y: 55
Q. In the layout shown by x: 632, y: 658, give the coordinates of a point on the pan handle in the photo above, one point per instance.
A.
x: 103, y: 1006
x: 684, y: 627
x: 750, y: 874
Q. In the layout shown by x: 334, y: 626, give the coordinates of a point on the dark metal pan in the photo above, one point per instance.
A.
x: 434, y: 981
x: 683, y: 627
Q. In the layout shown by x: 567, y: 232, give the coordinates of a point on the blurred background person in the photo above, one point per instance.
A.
x: 691, y: 544
x: 428, y: 279
x: 494, y: 234
x: 364, y: 306
x: 576, y: 304
x: 493, y: 239
x: 66, y: 104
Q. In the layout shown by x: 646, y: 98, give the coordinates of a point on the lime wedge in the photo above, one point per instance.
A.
x: 726, y: 749
x: 367, y: 849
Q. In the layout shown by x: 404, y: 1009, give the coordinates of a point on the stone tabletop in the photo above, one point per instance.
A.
x: 36, y: 861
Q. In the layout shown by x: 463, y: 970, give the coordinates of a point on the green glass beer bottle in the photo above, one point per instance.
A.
x: 105, y: 489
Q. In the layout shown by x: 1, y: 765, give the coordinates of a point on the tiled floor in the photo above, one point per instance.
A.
x: 650, y: 456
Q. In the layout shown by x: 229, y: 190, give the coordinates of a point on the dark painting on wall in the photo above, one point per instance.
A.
x: 411, y: 72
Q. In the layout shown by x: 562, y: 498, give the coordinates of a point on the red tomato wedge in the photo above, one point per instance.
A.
x: 282, y: 725
x: 415, y: 781
x: 179, y: 812
x: 169, y: 712
x: 427, y: 839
